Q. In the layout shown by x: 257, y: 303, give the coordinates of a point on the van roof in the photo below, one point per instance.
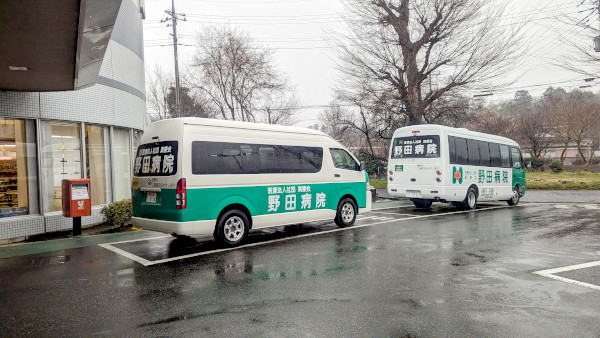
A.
x: 248, y: 125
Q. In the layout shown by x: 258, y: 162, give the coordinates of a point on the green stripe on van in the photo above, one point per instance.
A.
x: 207, y: 203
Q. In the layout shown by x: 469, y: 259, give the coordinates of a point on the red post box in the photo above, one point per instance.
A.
x: 76, y: 197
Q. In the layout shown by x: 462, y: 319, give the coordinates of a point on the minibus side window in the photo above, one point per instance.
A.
x: 484, y: 153
x: 516, y: 157
x: 212, y: 158
x: 473, y: 152
x: 504, y: 156
x: 495, y: 155
x: 343, y: 160
x: 451, y: 149
x: 462, y: 155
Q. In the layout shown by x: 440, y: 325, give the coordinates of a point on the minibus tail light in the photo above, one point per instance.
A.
x: 181, y: 195
x: 439, y: 173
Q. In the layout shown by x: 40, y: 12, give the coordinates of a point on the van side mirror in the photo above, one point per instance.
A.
x: 528, y: 164
x: 363, y: 165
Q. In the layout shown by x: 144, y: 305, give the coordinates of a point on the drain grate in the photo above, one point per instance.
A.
x: 50, y: 260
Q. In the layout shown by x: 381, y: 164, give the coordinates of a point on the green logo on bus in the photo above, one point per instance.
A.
x: 457, y: 175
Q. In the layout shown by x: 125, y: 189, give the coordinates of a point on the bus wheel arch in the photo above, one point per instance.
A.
x: 514, y: 200
x: 233, y: 225
x: 470, y: 201
x: 346, y: 212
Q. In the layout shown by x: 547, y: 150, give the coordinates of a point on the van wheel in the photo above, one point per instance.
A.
x: 232, y: 227
x: 470, y: 201
x: 422, y: 204
x: 516, y: 196
x: 346, y: 213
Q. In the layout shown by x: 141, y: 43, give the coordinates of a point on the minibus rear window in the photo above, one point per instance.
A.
x: 156, y: 159
x: 416, y: 147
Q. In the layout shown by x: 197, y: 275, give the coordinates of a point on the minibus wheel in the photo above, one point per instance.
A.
x: 422, y: 204
x: 232, y: 227
x: 471, y: 200
x: 516, y: 196
x: 346, y: 213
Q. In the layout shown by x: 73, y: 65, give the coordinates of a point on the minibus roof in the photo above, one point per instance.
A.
x: 461, y: 132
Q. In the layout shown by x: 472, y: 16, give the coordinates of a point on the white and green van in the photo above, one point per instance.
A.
x: 197, y: 177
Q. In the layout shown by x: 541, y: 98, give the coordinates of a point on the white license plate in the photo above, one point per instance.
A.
x: 413, y: 193
x: 151, y: 197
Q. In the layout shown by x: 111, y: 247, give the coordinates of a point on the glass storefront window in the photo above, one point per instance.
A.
x: 17, y: 167
x: 62, y: 159
x: 122, y: 165
x: 98, y: 163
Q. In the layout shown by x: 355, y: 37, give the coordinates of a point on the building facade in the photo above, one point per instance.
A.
x: 88, y: 133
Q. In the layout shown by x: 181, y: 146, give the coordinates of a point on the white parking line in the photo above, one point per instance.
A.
x: 390, y: 213
x: 550, y: 273
x: 146, y: 262
x: 129, y: 255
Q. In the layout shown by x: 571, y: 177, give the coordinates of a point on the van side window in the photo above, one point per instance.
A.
x: 484, y: 154
x: 451, y: 149
x: 473, y: 152
x: 212, y: 158
x: 343, y: 160
x: 516, y: 157
x: 504, y: 156
x: 462, y: 155
x: 495, y: 155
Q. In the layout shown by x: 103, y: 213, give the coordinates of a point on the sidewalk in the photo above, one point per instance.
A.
x: 544, y: 196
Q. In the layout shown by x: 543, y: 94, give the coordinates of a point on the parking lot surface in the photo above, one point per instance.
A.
x: 496, y: 271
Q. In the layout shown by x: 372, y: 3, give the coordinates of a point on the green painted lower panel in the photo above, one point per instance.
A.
x: 519, y: 178
x: 207, y: 203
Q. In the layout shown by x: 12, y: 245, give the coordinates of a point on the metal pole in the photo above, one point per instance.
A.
x: 174, y: 18
x: 76, y: 226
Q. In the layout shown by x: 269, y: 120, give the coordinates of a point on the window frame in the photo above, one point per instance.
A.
x: 268, y: 159
x: 343, y: 151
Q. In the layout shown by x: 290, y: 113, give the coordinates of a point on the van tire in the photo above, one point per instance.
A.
x: 346, y: 213
x: 232, y: 228
x: 422, y: 204
x: 516, y: 196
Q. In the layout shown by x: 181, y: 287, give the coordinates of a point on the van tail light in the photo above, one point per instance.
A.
x: 181, y: 195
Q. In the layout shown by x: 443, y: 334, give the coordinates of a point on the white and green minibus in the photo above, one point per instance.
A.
x: 197, y: 177
x: 429, y: 163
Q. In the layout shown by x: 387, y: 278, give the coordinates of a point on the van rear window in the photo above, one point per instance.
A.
x: 416, y: 147
x: 156, y: 159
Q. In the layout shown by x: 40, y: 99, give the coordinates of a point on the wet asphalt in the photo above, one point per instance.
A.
x: 398, y: 272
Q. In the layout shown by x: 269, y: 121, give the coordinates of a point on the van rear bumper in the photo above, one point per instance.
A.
x: 195, y: 228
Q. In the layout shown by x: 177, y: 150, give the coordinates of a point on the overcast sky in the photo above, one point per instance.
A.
x: 300, y: 33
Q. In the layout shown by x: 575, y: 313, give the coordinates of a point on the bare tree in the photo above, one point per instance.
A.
x: 160, y: 98
x: 534, y: 130
x: 192, y: 104
x: 559, y: 106
x: 492, y: 122
x: 240, y: 79
x: 584, y: 114
x: 157, y: 89
x: 579, y: 42
x: 422, y: 50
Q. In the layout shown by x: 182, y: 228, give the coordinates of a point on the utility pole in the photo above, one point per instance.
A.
x: 174, y: 18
